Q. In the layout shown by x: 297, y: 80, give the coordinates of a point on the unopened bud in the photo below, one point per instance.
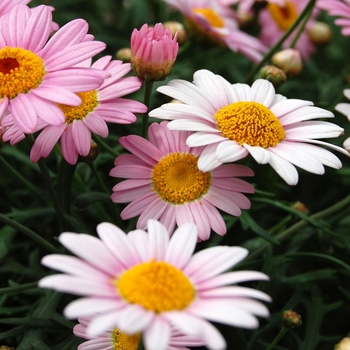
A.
x: 344, y: 344
x: 179, y: 28
x: 301, y: 207
x: 291, y: 319
x: 273, y: 74
x: 124, y: 55
x: 244, y: 17
x: 289, y: 60
x: 320, y: 33
x: 5, y: 347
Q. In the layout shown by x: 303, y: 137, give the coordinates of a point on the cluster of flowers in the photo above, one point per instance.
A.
x: 148, y: 282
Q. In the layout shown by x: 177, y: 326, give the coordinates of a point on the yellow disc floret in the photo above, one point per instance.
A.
x: 251, y: 123
x: 88, y: 104
x: 20, y: 71
x: 157, y: 286
x: 284, y: 16
x: 177, y: 179
x: 211, y: 16
x: 123, y: 341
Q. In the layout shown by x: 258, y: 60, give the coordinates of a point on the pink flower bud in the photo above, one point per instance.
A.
x: 153, y: 52
x: 289, y: 60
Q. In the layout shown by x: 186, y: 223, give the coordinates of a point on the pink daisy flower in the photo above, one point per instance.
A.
x: 211, y: 20
x: 337, y: 8
x: 114, y: 339
x: 165, y: 183
x: 153, y: 52
x: 104, y: 104
x: 275, y: 20
x: 148, y: 282
x: 233, y: 121
x: 344, y: 108
x: 35, y: 74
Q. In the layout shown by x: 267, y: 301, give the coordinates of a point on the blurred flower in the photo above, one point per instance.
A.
x: 289, y: 60
x: 291, y: 319
x: 34, y: 76
x: 344, y: 108
x: 177, y: 27
x: 300, y: 206
x: 98, y: 107
x: 114, y: 339
x: 124, y: 55
x: 146, y: 282
x: 276, y: 19
x: 233, y: 121
x: 273, y: 74
x: 246, y: 5
x: 165, y: 183
x: 212, y: 21
x: 153, y: 52
x: 344, y: 344
x: 337, y: 8
x: 319, y: 33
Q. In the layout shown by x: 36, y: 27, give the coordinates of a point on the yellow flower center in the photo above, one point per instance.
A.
x: 88, y: 104
x: 157, y: 286
x: 124, y: 341
x: 177, y: 179
x: 20, y: 71
x: 251, y: 123
x: 285, y: 15
x: 211, y: 16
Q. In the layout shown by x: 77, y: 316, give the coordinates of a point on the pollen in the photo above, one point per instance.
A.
x: 157, y: 286
x: 124, y: 341
x: 211, y: 16
x: 177, y: 179
x: 20, y: 71
x: 251, y: 123
x: 88, y: 104
x: 284, y: 16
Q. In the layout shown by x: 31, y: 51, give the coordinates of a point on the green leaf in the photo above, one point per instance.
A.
x: 248, y: 222
x: 86, y: 199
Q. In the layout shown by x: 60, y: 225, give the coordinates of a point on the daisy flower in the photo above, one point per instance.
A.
x: 165, y: 183
x: 104, y: 104
x: 114, y: 339
x: 35, y: 74
x: 233, y: 121
x: 246, y: 5
x: 276, y: 19
x: 153, y: 52
x: 337, y: 8
x: 344, y: 108
x: 148, y: 283
x: 211, y: 20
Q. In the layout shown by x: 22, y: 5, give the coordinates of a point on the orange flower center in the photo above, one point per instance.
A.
x: 284, y: 16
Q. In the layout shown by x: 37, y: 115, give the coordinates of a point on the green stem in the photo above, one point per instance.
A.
x: 299, y: 225
x: 147, y: 97
x: 103, y: 145
x: 5, y: 165
x: 34, y: 236
x: 301, y: 28
x: 282, y: 332
x: 141, y: 346
x: 276, y: 47
x: 98, y: 177
x: 17, y: 289
x: 50, y: 187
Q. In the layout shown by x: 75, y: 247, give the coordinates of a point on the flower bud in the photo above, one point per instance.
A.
x: 344, y: 344
x: 124, y: 55
x: 290, y: 319
x: 319, y: 33
x: 289, y: 60
x: 153, y: 52
x: 179, y: 28
x: 301, y: 207
x: 5, y: 347
x: 273, y: 74
x: 92, y: 155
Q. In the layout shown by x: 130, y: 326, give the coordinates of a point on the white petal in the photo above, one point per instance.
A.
x: 157, y: 336
x: 261, y: 155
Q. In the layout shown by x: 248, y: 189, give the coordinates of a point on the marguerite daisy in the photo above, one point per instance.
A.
x: 233, y: 121
x: 149, y: 283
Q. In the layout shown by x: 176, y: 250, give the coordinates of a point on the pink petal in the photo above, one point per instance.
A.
x: 158, y: 239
